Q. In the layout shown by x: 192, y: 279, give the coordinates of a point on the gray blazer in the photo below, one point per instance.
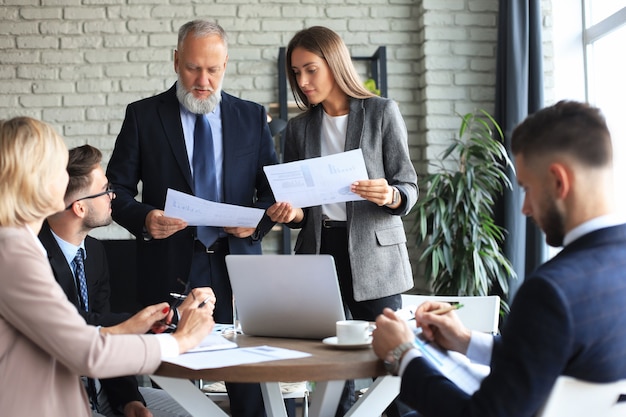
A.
x: 376, y: 239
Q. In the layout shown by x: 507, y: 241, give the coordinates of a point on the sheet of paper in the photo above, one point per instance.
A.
x: 455, y: 366
x: 232, y: 357
x: 198, y: 212
x: 316, y: 181
x: 214, y: 341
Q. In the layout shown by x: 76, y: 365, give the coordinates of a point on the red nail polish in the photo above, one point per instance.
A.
x: 166, y: 309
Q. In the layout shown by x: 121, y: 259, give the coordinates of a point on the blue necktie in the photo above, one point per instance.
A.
x: 79, y: 271
x: 204, y: 173
x: 81, y: 281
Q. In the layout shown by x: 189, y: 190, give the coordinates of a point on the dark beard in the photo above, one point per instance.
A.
x: 553, y: 226
x: 90, y: 222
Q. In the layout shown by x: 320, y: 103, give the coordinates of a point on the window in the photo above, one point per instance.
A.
x: 604, y: 38
x: 589, y: 37
x: 599, y: 10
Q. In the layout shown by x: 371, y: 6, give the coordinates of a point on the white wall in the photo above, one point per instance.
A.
x: 77, y: 63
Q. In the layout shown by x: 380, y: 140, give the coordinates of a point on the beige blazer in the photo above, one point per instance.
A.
x: 45, y: 344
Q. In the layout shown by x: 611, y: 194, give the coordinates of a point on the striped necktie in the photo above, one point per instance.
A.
x: 81, y: 281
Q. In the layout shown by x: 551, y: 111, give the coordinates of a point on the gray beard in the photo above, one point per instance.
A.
x: 197, y: 106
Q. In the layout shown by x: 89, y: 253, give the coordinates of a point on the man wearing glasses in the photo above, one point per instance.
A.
x: 109, y: 192
x: 64, y: 235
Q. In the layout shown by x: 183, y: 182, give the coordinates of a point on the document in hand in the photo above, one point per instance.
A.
x: 198, y: 212
x: 316, y: 181
x: 453, y: 365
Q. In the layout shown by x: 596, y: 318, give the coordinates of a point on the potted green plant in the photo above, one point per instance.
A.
x: 454, y: 213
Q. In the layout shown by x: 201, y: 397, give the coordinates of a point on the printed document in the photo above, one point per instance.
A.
x: 214, y: 341
x: 316, y: 181
x: 198, y: 212
x: 453, y: 365
x: 233, y: 357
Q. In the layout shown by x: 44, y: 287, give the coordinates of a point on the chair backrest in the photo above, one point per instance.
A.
x: 480, y: 313
x: 572, y: 397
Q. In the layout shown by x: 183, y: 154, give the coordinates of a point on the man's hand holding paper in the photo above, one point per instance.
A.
x: 159, y: 226
x: 198, y: 212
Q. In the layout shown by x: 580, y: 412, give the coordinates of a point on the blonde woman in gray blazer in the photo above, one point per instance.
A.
x: 44, y: 342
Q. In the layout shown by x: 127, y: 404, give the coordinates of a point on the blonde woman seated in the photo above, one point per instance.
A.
x: 44, y: 342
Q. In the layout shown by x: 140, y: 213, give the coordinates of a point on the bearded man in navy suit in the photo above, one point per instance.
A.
x: 569, y: 316
x: 156, y: 147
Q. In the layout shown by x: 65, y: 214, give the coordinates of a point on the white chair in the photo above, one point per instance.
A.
x: 572, y: 397
x: 480, y: 313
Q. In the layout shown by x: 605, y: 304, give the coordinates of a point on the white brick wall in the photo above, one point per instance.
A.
x: 77, y: 63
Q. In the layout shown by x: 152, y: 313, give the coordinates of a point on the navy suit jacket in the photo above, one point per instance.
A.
x: 150, y: 149
x: 568, y: 318
x: 122, y: 390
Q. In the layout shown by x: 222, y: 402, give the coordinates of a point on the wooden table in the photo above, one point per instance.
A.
x: 328, y: 366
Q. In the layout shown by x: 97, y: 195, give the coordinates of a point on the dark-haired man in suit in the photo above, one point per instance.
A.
x: 569, y: 316
x: 64, y: 234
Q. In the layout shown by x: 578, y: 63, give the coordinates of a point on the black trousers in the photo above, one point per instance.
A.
x: 335, y: 242
x: 209, y: 270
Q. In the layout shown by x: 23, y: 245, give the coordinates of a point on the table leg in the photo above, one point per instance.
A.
x: 189, y: 396
x: 325, y: 398
x: 377, y: 397
x: 273, y: 399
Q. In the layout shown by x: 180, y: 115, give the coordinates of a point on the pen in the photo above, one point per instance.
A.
x: 169, y: 326
x: 202, y: 304
x: 177, y: 296
x: 444, y: 310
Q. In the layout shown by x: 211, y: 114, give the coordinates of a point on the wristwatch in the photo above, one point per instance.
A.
x: 392, y: 360
x: 396, y: 197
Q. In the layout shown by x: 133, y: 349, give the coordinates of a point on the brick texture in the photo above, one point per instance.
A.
x: 77, y: 63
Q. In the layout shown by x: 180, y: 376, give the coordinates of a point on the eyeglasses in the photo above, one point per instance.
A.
x: 109, y: 191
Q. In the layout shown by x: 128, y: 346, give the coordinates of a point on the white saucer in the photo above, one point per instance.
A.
x: 332, y: 341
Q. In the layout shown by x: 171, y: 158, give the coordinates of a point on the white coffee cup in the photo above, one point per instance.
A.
x: 352, y: 332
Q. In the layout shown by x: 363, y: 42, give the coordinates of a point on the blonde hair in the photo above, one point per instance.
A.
x: 31, y: 153
x: 326, y: 44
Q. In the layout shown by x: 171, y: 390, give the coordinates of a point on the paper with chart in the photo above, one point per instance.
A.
x: 198, y: 212
x: 455, y: 366
x: 316, y: 181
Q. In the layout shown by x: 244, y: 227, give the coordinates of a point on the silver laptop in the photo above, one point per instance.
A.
x: 294, y: 296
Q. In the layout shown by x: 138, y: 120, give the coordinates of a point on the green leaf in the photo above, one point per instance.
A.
x: 454, y: 213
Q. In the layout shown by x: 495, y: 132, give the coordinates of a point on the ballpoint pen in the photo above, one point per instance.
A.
x: 177, y: 296
x: 444, y: 310
x: 170, y: 326
x: 202, y: 304
x: 440, y: 311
